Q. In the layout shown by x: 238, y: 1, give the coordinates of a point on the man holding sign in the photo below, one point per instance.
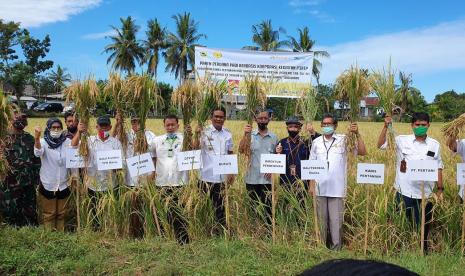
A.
x: 98, y: 181
x: 331, y: 148
x: 416, y: 146
x: 215, y: 141
x: 263, y: 141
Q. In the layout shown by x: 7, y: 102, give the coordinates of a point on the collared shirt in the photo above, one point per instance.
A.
x: 167, y: 161
x: 332, y: 151
x: 461, y: 153
x: 214, y: 142
x: 150, y: 136
x: 411, y: 149
x: 53, y: 172
x: 260, y: 145
x: 295, y: 152
x: 100, y: 180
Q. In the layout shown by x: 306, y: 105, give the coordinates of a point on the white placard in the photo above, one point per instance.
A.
x: 189, y: 160
x: 225, y: 164
x: 109, y: 160
x: 313, y: 170
x: 370, y: 173
x: 74, y: 160
x: 422, y: 170
x: 460, y: 173
x: 273, y: 163
x: 140, y: 165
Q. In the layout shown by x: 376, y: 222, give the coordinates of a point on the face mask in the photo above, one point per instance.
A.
x: 420, y: 131
x: 56, y: 133
x: 262, y: 126
x: 292, y: 133
x: 72, y: 129
x: 171, y: 136
x: 327, y: 130
x: 19, y: 124
x: 103, y: 134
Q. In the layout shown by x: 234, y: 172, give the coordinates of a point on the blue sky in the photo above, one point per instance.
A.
x: 425, y: 38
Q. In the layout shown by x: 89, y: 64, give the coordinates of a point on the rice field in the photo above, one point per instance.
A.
x: 371, y: 216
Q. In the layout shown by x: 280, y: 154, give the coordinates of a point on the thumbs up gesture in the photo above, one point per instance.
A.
x: 37, y: 132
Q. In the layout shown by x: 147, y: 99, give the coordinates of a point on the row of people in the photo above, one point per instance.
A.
x: 27, y: 155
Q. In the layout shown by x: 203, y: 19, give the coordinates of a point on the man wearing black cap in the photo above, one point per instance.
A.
x: 296, y: 149
x: 97, y: 181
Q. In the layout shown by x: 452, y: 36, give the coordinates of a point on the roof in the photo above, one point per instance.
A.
x: 24, y: 98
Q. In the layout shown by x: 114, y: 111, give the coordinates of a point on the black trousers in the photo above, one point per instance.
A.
x: 413, y: 213
x: 175, y: 219
x: 260, y: 194
x: 216, y: 193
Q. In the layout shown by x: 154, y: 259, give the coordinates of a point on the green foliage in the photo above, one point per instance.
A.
x: 155, y: 42
x: 166, y: 90
x: 265, y: 37
x: 450, y: 104
x: 282, y: 107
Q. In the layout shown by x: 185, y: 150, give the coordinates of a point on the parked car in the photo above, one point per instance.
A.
x: 69, y: 108
x: 49, y: 107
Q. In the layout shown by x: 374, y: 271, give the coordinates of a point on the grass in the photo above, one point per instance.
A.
x: 247, y: 246
x: 34, y: 251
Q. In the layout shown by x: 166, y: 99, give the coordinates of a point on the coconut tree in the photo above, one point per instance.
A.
x: 181, y: 45
x: 59, y: 78
x: 125, y: 51
x: 155, y: 42
x: 404, y: 91
x: 304, y: 44
x: 265, y: 37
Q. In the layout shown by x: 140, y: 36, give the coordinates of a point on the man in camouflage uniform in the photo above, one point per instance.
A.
x: 18, y: 190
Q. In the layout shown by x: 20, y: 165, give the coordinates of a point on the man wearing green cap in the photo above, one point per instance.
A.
x: 416, y: 146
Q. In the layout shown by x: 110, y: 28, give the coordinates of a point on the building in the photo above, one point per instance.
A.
x: 368, y: 107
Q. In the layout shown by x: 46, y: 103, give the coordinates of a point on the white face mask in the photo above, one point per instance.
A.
x: 56, y: 133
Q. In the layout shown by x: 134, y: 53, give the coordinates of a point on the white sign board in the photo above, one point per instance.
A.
x: 74, y: 160
x: 290, y: 72
x: 225, y: 164
x: 140, y: 165
x: 313, y: 170
x: 422, y: 170
x: 370, y: 173
x: 273, y: 163
x: 188, y: 160
x: 461, y: 174
x: 109, y: 160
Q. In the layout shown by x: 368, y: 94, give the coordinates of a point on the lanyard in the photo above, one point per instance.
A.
x: 292, y: 151
x: 328, y: 149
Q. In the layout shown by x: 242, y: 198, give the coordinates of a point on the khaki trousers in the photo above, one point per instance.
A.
x: 53, y: 212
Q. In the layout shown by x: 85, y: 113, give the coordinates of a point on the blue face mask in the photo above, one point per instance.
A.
x: 327, y: 130
x: 171, y: 136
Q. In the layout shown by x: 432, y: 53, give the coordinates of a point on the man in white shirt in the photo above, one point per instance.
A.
x: 98, y: 182
x: 416, y: 146
x: 215, y: 140
x: 168, y: 178
x: 331, y: 148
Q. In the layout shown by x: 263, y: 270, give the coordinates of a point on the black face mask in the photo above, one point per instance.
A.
x: 293, y: 133
x: 262, y: 126
x: 72, y: 129
x: 20, y: 124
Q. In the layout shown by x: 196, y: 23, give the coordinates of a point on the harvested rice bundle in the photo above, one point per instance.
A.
x: 454, y: 129
x: 6, y: 116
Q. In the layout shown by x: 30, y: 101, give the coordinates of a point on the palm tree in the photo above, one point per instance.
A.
x: 404, y: 92
x: 265, y: 37
x: 125, y: 49
x: 304, y: 44
x: 156, y: 41
x: 181, y: 45
x: 59, y: 78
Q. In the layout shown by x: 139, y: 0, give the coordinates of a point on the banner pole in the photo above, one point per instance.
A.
x: 365, y: 246
x: 423, y: 207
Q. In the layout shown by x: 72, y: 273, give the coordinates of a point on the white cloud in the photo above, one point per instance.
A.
x: 97, y: 36
x: 309, y: 7
x: 301, y: 3
x: 418, y: 51
x: 34, y: 13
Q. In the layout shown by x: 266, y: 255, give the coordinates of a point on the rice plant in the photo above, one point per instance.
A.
x: 84, y: 95
x: 6, y: 116
x: 185, y: 98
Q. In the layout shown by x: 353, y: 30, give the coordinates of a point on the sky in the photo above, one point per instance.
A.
x: 423, y: 38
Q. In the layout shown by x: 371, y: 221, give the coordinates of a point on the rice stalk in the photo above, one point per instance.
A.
x: 185, y: 98
x: 116, y: 91
x: 254, y: 88
x: 453, y: 129
x: 144, y: 99
x: 6, y: 116
x: 351, y: 87
x: 382, y: 83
